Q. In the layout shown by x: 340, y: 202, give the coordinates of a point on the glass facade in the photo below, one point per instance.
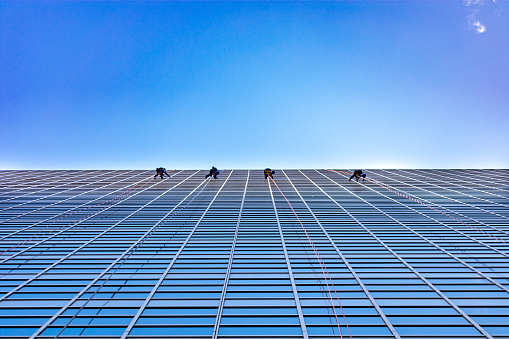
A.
x: 117, y: 254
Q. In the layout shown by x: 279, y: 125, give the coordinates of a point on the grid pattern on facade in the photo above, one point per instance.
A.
x: 118, y: 254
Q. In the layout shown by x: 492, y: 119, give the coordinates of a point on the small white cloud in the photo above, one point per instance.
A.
x: 473, y: 21
x: 474, y: 2
x: 479, y: 28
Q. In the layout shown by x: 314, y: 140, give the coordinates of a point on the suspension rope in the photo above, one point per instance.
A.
x: 424, y: 204
x: 111, y: 201
x: 322, y: 266
x: 318, y: 280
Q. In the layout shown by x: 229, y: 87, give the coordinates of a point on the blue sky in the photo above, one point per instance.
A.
x: 135, y: 85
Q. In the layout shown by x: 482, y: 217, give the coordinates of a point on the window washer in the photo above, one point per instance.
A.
x: 268, y: 173
x: 161, y: 171
x: 358, y: 174
x: 213, y: 172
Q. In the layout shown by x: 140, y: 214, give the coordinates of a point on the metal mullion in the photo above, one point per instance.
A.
x: 432, y: 243
x: 404, y: 262
x: 431, y: 218
x: 65, y: 307
x: 429, y: 202
x: 357, y: 278
x: 290, y: 272
x: 56, y: 193
x: 73, y: 197
x: 461, y: 193
x: 230, y: 263
x: 474, y: 181
x: 45, y: 183
x: 78, y: 222
x: 165, y: 273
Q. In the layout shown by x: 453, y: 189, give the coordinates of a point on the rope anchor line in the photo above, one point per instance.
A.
x: 323, y: 267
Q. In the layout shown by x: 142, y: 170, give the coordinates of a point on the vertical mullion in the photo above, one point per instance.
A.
x: 290, y: 272
x: 230, y: 262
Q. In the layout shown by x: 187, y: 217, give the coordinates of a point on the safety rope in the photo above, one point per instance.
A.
x: 424, y: 204
x: 318, y: 280
x: 111, y: 201
x: 322, y: 266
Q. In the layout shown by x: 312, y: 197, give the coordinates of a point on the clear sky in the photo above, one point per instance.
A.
x: 135, y: 85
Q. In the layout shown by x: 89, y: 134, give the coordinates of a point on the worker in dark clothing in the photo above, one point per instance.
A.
x: 268, y: 173
x: 161, y: 171
x: 358, y: 174
x: 213, y: 172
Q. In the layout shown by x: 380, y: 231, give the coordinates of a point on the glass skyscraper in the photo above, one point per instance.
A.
x: 118, y: 254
